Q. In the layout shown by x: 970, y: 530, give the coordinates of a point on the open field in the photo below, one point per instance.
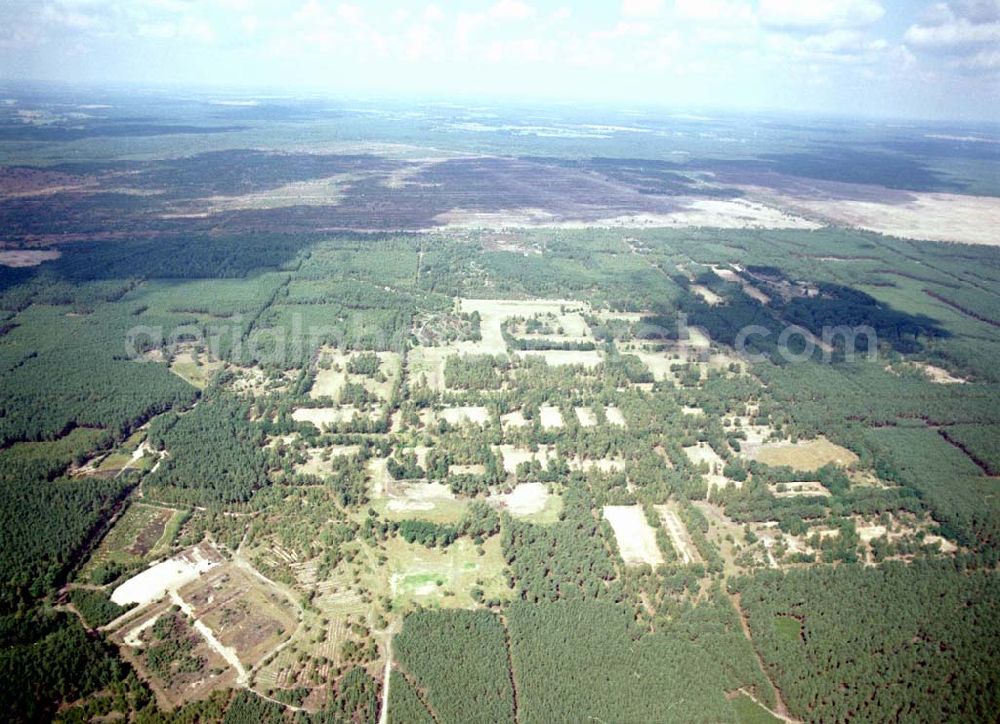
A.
x: 244, y: 614
x: 636, y: 540
x: 435, y: 578
x: 806, y: 455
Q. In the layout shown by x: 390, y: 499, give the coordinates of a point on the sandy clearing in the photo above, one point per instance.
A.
x: 939, y: 375
x: 513, y: 419
x: 473, y: 469
x: 604, y: 465
x: 475, y: 414
x: 636, y: 539
x: 703, y: 453
x: 26, y: 257
x: 868, y: 533
x: 514, y: 456
x: 798, y: 489
x: 586, y: 416
x: 328, y: 383
x: 132, y: 638
x: 526, y: 499
x: 550, y: 417
x: 226, y: 652
x: 152, y: 583
x: 928, y: 216
x: 556, y: 357
x: 710, y: 297
x: 614, y: 416
x: 418, y: 496
x: 807, y: 455
x: 678, y: 534
x: 427, y: 364
x: 494, y: 312
x: 320, y: 416
x: 688, y: 410
x: 717, y: 213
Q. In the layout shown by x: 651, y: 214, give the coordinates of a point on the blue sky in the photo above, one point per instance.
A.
x: 867, y: 57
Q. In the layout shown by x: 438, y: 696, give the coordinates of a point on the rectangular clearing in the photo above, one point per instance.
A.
x: 636, y: 539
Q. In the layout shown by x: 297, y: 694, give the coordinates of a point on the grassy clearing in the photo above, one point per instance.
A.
x: 444, y: 578
x: 807, y: 455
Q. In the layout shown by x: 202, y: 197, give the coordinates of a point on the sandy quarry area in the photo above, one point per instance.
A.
x: 930, y: 216
x: 169, y: 575
x: 636, y: 539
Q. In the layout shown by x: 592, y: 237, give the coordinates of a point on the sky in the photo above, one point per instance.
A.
x: 898, y: 58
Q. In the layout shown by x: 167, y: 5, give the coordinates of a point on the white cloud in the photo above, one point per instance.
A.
x: 715, y: 11
x: 433, y: 13
x: 511, y: 10
x: 955, y: 34
x: 641, y: 8
x: 806, y: 14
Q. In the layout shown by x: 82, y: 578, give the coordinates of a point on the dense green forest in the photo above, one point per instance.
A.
x: 208, y: 354
x: 459, y: 660
x: 915, y: 642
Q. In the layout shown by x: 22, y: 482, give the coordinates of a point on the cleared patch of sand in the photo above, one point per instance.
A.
x: 604, y: 465
x: 426, y: 364
x: 550, y: 417
x: 526, y: 499
x: 703, y: 453
x: 807, y: 455
x: 555, y: 357
x: 328, y: 383
x: 636, y: 539
x: 710, y: 297
x: 473, y: 469
x: 614, y: 416
x: 717, y: 213
x: 586, y: 416
x: 418, y: 496
x: 320, y: 416
x: 514, y: 456
x: 26, y: 257
x: 494, y: 312
x: 930, y: 216
x: 939, y: 375
x: 513, y: 419
x: 688, y: 410
x: 133, y: 637
x: 154, y: 582
x: 678, y: 533
x: 460, y: 415
x: 799, y: 489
